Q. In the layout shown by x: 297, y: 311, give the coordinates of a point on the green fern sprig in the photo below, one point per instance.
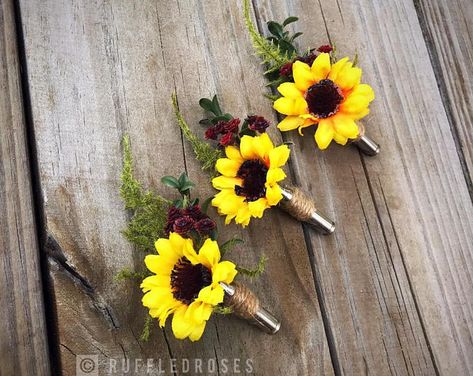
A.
x: 255, y: 272
x: 270, y: 54
x: 204, y: 153
x: 149, y: 209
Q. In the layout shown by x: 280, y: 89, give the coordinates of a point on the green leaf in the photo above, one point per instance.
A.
x: 128, y: 274
x: 206, y: 104
x: 216, y: 106
x: 186, y: 186
x: 229, y: 245
x: 275, y: 28
x: 289, y: 20
x: 170, y: 181
x: 205, y: 205
x: 296, y: 35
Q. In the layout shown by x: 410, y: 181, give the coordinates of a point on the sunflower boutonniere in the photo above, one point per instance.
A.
x: 314, y: 87
x: 249, y: 169
x: 185, y: 276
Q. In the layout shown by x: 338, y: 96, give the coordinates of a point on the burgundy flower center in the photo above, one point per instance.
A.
x: 253, y: 172
x: 324, y: 98
x: 187, y: 280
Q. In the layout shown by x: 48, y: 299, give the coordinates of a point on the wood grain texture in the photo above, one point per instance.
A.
x: 447, y: 30
x: 23, y: 341
x: 98, y: 70
x: 396, y: 277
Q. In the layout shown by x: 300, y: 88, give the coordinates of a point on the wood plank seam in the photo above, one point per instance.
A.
x: 48, y: 304
x: 306, y: 232
x: 447, y: 101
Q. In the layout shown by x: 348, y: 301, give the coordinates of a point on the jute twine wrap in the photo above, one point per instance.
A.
x: 300, y: 206
x: 244, y: 302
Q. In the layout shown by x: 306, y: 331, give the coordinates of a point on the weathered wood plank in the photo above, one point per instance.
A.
x: 98, y: 70
x: 23, y: 340
x: 449, y: 36
x: 396, y: 277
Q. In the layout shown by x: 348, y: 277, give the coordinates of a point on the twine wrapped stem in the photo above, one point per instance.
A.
x: 246, y: 305
x: 302, y: 207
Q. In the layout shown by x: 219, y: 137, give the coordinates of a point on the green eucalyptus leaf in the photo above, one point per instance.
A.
x: 289, y: 20
x: 216, y: 106
x: 206, y: 104
x: 275, y: 28
x: 186, y: 186
x: 296, y: 35
x: 205, y: 205
x: 170, y: 181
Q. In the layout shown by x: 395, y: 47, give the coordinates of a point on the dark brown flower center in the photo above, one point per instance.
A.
x: 324, y: 98
x: 187, y: 280
x: 253, y: 172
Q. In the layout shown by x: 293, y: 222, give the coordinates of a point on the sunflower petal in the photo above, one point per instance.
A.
x: 285, y: 106
x: 159, y: 264
x: 279, y: 156
x: 198, y: 311
x: 211, y: 295
x: 258, y: 207
x: 273, y: 194
x: 227, y: 167
x: 154, y: 281
x: 324, y: 134
x: 289, y: 90
x: 197, y: 331
x: 263, y: 146
x: 303, y: 77
x: 337, y: 68
x: 345, y: 126
x: 321, y: 66
x: 339, y: 139
x: 247, y: 149
x: 349, y: 77
x: 191, y: 254
x: 222, y: 182
x: 233, y: 153
x: 209, y: 253
x: 224, y: 271
x: 289, y: 123
x: 243, y: 216
x: 274, y: 175
x: 181, y: 327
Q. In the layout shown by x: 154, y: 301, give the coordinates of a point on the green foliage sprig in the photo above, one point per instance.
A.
x: 271, y: 54
x: 205, y: 154
x: 256, y: 271
x: 148, y: 208
x: 282, y: 38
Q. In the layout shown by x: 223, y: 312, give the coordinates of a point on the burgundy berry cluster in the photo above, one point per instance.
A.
x: 226, y: 129
x: 184, y: 221
x: 185, y: 216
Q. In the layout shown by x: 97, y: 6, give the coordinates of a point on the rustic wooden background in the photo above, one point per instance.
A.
x: 391, y: 292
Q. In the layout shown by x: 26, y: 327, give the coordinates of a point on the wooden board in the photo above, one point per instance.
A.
x: 23, y: 341
x: 98, y: 71
x: 389, y: 293
x: 447, y: 30
x: 395, y: 279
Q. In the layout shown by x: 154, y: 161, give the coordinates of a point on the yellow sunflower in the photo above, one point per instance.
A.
x: 186, y: 284
x: 249, y: 181
x: 324, y: 94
